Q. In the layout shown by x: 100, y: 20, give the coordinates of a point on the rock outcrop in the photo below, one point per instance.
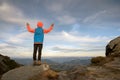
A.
x: 101, y: 68
x: 113, y: 47
x: 106, y: 69
x: 7, y: 64
x: 41, y: 72
x: 114, y: 65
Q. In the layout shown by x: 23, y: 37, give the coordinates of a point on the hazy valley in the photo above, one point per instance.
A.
x: 58, y: 63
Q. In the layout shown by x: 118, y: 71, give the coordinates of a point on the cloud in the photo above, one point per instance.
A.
x: 17, y: 40
x: 103, y: 18
x: 58, y: 6
x: 85, y: 38
x: 74, y: 50
x: 14, y: 50
x: 94, y: 17
x: 5, y: 45
x: 72, y: 44
x: 17, y: 46
x: 81, y: 42
x: 20, y: 38
x: 10, y: 14
x: 55, y: 7
x: 66, y: 19
x: 69, y: 51
x: 12, y: 18
x: 6, y: 49
x: 68, y: 37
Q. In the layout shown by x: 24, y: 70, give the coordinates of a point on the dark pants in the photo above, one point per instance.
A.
x: 37, y: 47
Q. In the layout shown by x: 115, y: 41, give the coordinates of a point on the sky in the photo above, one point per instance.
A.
x: 81, y: 27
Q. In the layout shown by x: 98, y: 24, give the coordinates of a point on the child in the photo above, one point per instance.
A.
x: 38, y: 39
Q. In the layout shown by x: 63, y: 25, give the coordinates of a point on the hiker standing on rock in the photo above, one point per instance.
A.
x: 38, y: 40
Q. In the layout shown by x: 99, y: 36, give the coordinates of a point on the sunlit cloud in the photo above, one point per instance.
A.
x: 74, y: 50
x: 68, y: 37
x: 20, y: 37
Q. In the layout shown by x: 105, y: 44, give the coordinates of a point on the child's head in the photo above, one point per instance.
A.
x: 39, y: 24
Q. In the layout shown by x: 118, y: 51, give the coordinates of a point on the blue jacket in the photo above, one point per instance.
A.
x: 38, y: 35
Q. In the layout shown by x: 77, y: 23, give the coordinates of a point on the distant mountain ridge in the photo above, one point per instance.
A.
x: 78, y: 61
x: 57, y: 65
x: 55, y: 60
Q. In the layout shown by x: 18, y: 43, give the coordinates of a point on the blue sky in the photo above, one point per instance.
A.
x: 82, y: 27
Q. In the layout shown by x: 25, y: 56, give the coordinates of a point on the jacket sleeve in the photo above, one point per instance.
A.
x: 30, y: 29
x: 48, y: 30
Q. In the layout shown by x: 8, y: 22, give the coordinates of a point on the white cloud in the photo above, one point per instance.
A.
x: 74, y: 50
x: 80, y: 43
x: 94, y: 17
x: 75, y: 44
x: 86, y: 38
x: 20, y: 38
x: 69, y: 37
x: 12, y: 50
x: 2, y: 45
x: 12, y: 14
x: 74, y: 54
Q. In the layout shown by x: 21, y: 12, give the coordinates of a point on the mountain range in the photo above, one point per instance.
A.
x: 58, y: 64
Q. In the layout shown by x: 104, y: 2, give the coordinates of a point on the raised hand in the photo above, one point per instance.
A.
x: 27, y: 24
x: 52, y: 24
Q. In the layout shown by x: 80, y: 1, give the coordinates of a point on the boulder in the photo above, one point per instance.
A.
x: 46, y: 75
x: 113, y: 48
x: 25, y: 72
x: 7, y: 64
x: 115, y: 64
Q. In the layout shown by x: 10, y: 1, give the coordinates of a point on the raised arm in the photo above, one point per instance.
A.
x: 49, y: 29
x: 29, y: 28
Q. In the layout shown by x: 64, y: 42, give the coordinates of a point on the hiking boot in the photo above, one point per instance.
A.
x: 34, y: 63
x: 38, y: 62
